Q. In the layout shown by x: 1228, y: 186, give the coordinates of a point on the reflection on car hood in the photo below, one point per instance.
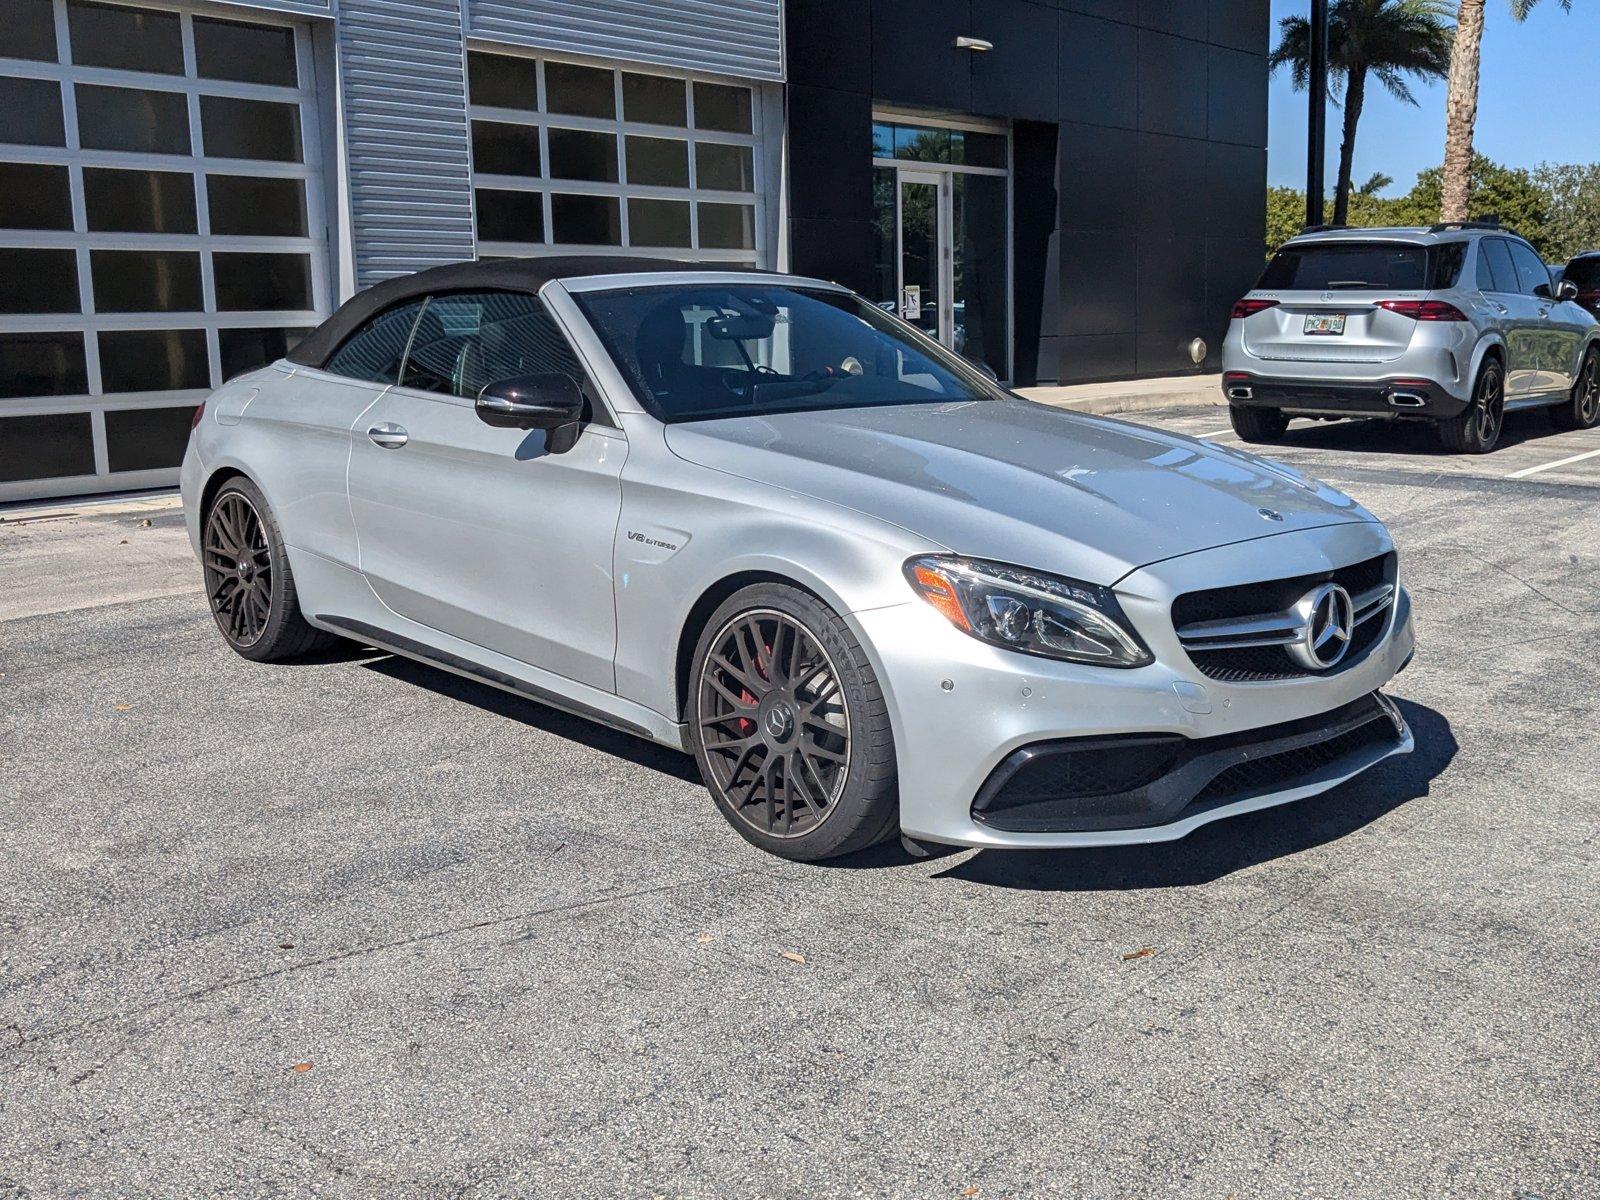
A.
x: 1022, y: 482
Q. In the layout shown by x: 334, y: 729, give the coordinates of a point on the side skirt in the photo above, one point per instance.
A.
x: 443, y: 659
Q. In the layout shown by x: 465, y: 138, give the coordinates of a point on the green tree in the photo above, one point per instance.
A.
x: 1286, y: 215
x: 1461, y: 102
x: 1509, y: 193
x: 1390, y: 40
x: 1572, y: 207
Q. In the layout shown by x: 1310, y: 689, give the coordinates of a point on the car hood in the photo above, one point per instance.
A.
x: 1022, y: 482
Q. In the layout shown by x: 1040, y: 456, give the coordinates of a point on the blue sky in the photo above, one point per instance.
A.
x: 1539, y: 101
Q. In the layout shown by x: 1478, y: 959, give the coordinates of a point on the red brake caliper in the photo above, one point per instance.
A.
x: 746, y: 725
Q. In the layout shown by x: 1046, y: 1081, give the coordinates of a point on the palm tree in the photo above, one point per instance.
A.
x: 1388, y: 39
x: 1461, y: 106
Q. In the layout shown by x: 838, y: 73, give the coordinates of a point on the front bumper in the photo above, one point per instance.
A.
x: 1395, y: 398
x: 961, y: 708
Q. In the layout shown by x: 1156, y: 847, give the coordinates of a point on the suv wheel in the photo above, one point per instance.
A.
x: 1582, y: 411
x: 789, y: 726
x: 1257, y: 424
x: 248, y: 580
x: 1478, y: 427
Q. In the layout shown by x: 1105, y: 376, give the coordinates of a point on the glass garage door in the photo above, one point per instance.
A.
x: 161, y: 229
x: 569, y: 158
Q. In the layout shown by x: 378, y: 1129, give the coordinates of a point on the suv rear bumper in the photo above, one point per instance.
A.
x: 1384, y: 398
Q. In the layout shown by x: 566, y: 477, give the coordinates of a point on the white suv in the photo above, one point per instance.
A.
x: 1454, y: 324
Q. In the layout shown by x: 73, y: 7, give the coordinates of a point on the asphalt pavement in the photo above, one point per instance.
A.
x: 354, y: 927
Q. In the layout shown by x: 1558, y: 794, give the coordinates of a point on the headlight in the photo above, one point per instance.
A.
x: 1028, y: 611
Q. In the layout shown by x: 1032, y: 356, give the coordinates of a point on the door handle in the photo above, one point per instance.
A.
x: 389, y: 436
x: 1544, y: 314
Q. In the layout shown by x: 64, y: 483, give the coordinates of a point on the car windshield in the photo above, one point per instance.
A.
x: 1387, y: 266
x: 699, y: 351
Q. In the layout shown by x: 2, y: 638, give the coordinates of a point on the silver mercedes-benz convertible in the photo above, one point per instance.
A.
x: 754, y: 517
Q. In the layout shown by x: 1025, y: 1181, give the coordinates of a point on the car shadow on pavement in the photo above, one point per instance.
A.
x: 1400, y: 437
x: 1223, y: 847
x: 538, y: 716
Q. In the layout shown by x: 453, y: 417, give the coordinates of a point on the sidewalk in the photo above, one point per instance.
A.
x: 1130, y: 396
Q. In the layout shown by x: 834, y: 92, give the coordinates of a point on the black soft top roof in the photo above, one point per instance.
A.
x: 503, y: 274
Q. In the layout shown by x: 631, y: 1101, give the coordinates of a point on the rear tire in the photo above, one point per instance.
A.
x: 1257, y: 424
x: 249, y: 583
x: 1582, y: 409
x: 789, y: 726
x: 1478, y: 427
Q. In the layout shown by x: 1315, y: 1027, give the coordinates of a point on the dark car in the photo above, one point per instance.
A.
x: 1583, y: 272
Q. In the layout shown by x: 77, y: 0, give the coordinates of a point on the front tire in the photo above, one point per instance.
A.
x: 789, y: 726
x: 1478, y: 427
x: 1257, y: 424
x: 249, y: 583
x: 1582, y: 410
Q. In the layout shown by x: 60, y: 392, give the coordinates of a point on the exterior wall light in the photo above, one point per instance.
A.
x: 976, y: 45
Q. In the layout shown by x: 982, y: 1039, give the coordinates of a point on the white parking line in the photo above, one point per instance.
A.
x: 1560, y: 462
x: 1216, y: 433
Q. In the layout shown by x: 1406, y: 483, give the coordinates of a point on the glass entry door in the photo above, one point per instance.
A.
x: 924, y: 253
x: 941, y: 200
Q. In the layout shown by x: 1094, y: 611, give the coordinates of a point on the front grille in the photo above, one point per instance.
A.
x: 1260, y: 664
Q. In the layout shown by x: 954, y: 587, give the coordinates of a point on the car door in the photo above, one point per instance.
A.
x: 308, y: 420
x: 1518, y: 318
x: 1554, y: 340
x: 488, y: 534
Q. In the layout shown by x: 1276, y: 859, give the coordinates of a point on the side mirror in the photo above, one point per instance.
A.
x: 531, y: 402
x: 1566, y: 290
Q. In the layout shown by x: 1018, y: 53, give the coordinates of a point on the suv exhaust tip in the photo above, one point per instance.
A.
x: 1406, y: 400
x: 1239, y: 391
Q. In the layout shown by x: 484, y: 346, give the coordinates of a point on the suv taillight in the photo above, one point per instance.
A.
x: 1424, y: 310
x: 1249, y: 308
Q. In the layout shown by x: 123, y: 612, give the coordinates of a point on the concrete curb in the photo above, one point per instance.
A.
x: 1142, y: 395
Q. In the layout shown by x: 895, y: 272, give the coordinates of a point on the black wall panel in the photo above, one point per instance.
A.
x: 1139, y: 161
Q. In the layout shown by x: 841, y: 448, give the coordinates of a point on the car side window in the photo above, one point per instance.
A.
x: 1486, y: 278
x: 1505, y: 271
x: 465, y: 342
x: 374, y: 351
x: 1531, y: 271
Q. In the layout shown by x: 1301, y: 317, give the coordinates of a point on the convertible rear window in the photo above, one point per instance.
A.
x: 699, y: 351
x: 1385, y: 266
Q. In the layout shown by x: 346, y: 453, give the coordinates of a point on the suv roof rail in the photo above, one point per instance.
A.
x: 1491, y: 221
x: 1322, y: 228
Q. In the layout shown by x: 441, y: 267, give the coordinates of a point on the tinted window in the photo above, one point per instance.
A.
x: 38, y: 281
x: 146, y: 439
x: 133, y: 39
x: 727, y: 168
x: 718, y: 106
x: 245, y: 349
x: 33, y: 112
x: 594, y: 220
x: 252, y: 280
x: 503, y: 82
x: 145, y: 280
x: 509, y: 216
x: 374, y: 351
x: 465, y: 343
x: 580, y: 91
x: 42, y: 364
x: 499, y: 148
x: 262, y: 129
x: 729, y: 350
x: 659, y: 161
x: 1487, y: 282
x: 1531, y: 271
x: 1445, y: 263
x: 41, y: 447
x: 153, y: 360
x: 1584, y: 274
x: 256, y: 204
x: 1505, y: 271
x: 582, y: 154
x: 658, y: 222
x: 114, y: 118
x: 1388, y: 266
x: 139, y: 201
x: 247, y: 53
x: 34, y: 196
x: 653, y: 100
x: 30, y: 27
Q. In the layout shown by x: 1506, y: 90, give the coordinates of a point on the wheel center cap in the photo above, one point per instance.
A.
x: 779, y: 721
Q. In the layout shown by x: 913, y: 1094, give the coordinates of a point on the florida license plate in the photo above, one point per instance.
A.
x: 1325, y: 324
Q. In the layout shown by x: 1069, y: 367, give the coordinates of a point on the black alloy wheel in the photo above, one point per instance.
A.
x: 238, y: 569
x: 774, y: 724
x: 1582, y: 411
x: 1478, y: 427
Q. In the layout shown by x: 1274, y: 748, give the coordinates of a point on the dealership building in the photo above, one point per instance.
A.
x: 1063, y: 189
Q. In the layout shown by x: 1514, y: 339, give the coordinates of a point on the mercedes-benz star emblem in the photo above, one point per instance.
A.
x: 1270, y: 514
x: 1327, y: 620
